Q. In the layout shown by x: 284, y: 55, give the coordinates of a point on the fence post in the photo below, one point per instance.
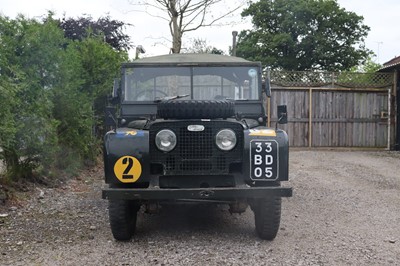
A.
x: 310, y: 118
x: 389, y: 116
x: 269, y: 112
x: 269, y: 98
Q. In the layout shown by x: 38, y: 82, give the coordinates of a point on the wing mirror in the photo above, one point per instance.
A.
x: 282, y: 114
x: 110, y: 116
x: 114, y: 99
x: 266, y: 84
x: 266, y: 87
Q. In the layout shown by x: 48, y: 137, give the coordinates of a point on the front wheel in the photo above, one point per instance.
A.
x: 267, y: 214
x: 122, y: 214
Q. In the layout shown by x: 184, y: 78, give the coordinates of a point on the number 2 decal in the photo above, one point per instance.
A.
x: 127, y: 169
x: 129, y: 162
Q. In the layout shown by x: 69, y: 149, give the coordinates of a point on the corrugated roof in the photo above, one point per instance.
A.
x: 393, y: 61
x: 391, y: 64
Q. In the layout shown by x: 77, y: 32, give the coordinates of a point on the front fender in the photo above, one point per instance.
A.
x: 265, y: 134
x: 126, y: 156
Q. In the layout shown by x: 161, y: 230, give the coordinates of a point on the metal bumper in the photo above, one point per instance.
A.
x: 195, y: 193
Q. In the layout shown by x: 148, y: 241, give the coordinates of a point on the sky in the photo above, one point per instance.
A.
x: 153, y: 33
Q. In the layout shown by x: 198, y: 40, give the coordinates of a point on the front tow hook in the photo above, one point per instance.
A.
x: 206, y: 193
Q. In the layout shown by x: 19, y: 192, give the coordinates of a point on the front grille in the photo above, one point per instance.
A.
x: 195, y: 145
x: 196, y: 151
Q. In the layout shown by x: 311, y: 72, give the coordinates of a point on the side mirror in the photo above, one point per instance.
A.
x: 266, y: 84
x: 115, y: 95
x: 110, y: 116
x: 267, y: 87
x: 282, y: 114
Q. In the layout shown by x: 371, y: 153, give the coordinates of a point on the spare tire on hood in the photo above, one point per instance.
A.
x: 195, y: 109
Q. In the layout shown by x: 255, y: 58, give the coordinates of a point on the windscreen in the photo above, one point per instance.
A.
x: 199, y: 83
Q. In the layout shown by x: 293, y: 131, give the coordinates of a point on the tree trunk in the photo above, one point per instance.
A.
x: 176, y: 36
x: 12, y: 163
x: 177, y: 44
x: 11, y: 159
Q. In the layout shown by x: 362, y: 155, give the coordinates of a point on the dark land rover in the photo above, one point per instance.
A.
x: 192, y: 128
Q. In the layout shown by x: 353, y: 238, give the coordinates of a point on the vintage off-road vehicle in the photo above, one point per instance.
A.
x: 192, y: 128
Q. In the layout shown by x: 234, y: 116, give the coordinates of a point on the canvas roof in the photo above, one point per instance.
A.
x: 191, y: 59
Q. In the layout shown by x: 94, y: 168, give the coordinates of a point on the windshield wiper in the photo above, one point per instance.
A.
x: 170, y: 98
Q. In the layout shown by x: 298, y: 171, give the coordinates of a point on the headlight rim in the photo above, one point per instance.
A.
x: 158, y: 143
x: 220, y: 146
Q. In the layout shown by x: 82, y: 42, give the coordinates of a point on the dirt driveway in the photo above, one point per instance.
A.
x: 345, y: 211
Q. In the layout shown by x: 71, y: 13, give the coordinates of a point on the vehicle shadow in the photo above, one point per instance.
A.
x: 194, y: 219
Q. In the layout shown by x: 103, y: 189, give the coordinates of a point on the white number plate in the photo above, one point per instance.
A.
x: 264, y: 162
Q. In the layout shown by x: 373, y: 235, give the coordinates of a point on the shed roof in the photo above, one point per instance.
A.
x: 391, y: 64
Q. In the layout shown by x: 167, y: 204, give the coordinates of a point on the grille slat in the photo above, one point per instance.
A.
x: 195, y: 145
x: 196, y: 151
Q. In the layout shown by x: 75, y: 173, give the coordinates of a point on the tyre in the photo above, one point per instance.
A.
x: 267, y: 214
x: 196, y: 109
x: 122, y: 214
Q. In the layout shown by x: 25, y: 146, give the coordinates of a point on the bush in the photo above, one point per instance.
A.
x: 52, y: 93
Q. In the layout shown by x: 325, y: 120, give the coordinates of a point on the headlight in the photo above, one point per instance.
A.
x: 166, y: 140
x: 226, y: 140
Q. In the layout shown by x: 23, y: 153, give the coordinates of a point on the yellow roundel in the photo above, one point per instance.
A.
x: 127, y: 169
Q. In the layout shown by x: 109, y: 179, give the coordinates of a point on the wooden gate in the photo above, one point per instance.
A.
x: 333, y: 109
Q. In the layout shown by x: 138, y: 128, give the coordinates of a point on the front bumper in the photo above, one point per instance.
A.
x: 229, y: 193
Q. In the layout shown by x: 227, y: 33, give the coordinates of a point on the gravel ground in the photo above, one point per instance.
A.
x: 345, y: 211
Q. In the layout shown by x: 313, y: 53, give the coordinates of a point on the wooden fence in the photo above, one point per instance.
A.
x: 333, y: 109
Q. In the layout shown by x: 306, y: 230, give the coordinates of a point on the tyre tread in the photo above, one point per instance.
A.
x: 122, y: 215
x: 267, y: 217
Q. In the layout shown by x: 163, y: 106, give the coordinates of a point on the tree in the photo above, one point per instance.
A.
x: 304, y: 35
x: 100, y: 65
x: 10, y: 75
x: 31, y: 54
x: 84, y: 27
x: 51, y: 88
x: 185, y: 15
x: 200, y: 46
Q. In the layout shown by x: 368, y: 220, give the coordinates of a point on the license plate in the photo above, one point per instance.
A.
x: 264, y: 159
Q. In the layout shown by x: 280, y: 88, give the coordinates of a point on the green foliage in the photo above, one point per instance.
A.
x: 365, y: 75
x: 31, y: 139
x: 110, y: 29
x: 304, y: 35
x: 369, y: 66
x: 200, y: 46
x: 100, y: 65
x: 49, y: 90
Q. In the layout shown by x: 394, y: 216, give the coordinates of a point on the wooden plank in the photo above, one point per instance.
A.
x: 384, y: 90
x: 310, y: 116
x: 356, y: 114
x: 336, y: 118
x: 352, y: 112
x: 268, y: 112
x: 373, y: 136
x: 342, y: 126
x: 329, y: 114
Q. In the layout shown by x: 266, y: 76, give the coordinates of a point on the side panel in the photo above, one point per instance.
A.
x: 126, y: 156
x: 266, y: 155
